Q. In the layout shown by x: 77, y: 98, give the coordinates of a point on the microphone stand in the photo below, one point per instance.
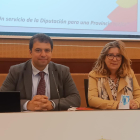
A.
x: 57, y: 92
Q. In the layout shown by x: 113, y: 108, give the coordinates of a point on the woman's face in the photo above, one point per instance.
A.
x: 113, y: 59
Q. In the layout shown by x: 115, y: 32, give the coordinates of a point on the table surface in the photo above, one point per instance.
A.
x: 71, y: 125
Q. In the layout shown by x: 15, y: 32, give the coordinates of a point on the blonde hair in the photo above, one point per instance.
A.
x: 125, y: 68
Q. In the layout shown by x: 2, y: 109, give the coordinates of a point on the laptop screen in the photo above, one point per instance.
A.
x: 10, y: 101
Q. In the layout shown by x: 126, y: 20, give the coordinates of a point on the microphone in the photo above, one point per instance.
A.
x: 57, y: 92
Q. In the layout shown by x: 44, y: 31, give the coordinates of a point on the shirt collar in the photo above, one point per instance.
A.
x: 36, y: 71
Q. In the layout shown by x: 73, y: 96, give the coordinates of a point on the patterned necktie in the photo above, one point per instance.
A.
x: 41, y: 85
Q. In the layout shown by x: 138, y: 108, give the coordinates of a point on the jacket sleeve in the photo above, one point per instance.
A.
x: 94, y: 100
x: 10, y: 84
x: 136, y: 91
x: 72, y: 97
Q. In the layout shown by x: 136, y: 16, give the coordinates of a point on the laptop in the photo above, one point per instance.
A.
x: 10, y: 101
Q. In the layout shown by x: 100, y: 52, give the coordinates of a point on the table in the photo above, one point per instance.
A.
x: 71, y: 125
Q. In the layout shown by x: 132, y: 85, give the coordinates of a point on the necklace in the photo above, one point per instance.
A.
x: 113, y: 79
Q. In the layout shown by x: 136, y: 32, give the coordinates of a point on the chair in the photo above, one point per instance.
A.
x: 78, y: 79
x: 86, y: 90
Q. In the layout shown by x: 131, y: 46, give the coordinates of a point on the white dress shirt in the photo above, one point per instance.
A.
x: 35, y: 81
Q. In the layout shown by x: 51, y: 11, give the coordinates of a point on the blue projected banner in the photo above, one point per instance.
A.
x: 75, y: 17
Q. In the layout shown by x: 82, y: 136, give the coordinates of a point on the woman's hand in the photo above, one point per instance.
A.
x: 133, y: 104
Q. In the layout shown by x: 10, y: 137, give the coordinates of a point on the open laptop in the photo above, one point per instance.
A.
x: 10, y: 101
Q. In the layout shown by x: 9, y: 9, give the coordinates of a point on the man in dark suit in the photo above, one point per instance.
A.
x: 43, y: 85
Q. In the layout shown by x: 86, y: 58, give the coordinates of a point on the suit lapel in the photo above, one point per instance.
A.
x: 107, y: 87
x: 53, y: 88
x: 28, y: 80
x: 122, y: 84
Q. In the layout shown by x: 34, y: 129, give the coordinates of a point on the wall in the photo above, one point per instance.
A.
x: 79, y: 55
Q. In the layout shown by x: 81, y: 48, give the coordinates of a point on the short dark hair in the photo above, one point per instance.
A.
x: 42, y: 38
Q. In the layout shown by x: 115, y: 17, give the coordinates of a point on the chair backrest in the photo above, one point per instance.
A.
x: 78, y: 79
x: 86, y: 90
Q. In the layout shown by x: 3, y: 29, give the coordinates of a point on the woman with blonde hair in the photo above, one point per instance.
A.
x: 112, y: 77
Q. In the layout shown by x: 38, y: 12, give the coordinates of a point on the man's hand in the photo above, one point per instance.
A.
x: 39, y: 102
x: 49, y: 105
x: 133, y: 104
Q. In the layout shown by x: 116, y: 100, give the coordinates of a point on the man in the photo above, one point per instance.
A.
x: 43, y: 85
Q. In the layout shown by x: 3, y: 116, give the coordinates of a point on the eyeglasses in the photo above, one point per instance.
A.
x: 111, y: 56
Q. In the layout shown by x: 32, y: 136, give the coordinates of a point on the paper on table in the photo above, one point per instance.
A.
x: 79, y: 109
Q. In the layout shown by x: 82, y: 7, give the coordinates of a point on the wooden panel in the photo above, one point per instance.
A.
x: 2, y: 78
x: 75, y: 65
x: 80, y: 49
x: 79, y: 55
x: 138, y: 78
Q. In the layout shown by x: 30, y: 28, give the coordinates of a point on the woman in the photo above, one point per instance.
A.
x: 112, y: 77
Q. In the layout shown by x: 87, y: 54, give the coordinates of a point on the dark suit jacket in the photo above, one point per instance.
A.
x: 20, y: 79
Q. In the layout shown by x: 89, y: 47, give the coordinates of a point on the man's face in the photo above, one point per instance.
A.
x: 41, y: 55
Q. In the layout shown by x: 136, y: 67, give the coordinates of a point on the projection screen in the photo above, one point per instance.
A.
x: 71, y: 18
